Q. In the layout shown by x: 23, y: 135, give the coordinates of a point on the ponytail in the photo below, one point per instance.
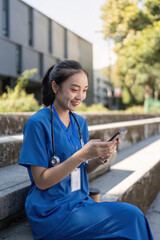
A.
x: 48, y: 95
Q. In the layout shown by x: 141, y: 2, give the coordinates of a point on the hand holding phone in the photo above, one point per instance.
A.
x: 120, y: 132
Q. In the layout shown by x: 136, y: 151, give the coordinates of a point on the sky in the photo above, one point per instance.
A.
x: 83, y: 18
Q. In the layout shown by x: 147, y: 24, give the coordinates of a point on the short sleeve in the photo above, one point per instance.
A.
x: 33, y: 151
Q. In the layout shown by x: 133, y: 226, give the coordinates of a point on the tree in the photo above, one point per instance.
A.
x: 137, y: 46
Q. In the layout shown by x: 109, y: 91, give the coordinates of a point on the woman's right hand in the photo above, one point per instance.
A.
x: 98, y: 149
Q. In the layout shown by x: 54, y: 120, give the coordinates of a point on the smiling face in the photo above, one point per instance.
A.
x: 70, y: 93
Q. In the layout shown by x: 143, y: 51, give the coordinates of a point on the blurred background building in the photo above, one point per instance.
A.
x: 29, y: 39
x: 103, y: 89
x: 104, y: 92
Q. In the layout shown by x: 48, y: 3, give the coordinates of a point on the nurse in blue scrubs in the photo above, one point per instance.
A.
x: 58, y: 206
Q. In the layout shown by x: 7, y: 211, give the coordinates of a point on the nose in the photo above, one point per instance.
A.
x: 79, y: 96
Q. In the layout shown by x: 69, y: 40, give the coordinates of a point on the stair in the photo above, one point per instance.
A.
x: 15, y: 181
x: 127, y: 177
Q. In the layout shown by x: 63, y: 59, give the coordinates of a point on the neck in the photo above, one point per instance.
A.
x: 62, y: 113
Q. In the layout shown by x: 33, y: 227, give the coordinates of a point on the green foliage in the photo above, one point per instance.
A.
x: 135, y: 110
x: 136, y: 32
x: 139, y: 62
x: 151, y: 105
x: 153, y: 9
x: 126, y: 99
x: 92, y: 108
x: 121, y: 16
x: 154, y: 107
x: 17, y: 100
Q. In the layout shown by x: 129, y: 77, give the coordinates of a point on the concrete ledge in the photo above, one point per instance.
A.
x: 143, y: 192
x: 137, y: 130
x: 12, y: 123
x: 102, y: 169
x: 135, y: 178
x: 10, y: 147
x: 13, y: 190
x: 94, y: 118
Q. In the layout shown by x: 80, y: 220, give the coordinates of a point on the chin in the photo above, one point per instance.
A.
x: 73, y: 108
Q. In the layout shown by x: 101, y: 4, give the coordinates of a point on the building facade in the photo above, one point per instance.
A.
x: 29, y: 39
x: 103, y: 89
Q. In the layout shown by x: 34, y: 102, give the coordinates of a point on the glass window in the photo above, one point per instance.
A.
x: 18, y: 59
x: 5, y: 18
x: 30, y: 26
x: 50, y: 36
x: 65, y: 44
x: 41, y: 64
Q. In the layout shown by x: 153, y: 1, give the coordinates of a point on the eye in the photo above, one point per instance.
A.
x: 74, y: 90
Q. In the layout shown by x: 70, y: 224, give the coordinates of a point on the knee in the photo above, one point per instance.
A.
x: 134, y: 211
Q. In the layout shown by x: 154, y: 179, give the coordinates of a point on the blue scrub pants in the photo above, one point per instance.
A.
x: 106, y: 220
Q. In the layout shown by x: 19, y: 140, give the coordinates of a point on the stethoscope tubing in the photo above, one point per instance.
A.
x: 52, y: 130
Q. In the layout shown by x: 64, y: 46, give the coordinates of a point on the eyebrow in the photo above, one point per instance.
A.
x: 75, y: 85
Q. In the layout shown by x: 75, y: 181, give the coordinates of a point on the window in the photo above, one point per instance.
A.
x: 41, y: 64
x: 30, y: 26
x: 65, y: 44
x: 5, y: 18
x: 50, y: 36
x: 18, y: 59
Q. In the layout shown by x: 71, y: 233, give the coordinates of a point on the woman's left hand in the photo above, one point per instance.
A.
x: 112, y: 150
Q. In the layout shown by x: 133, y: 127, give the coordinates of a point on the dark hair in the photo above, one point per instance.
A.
x: 58, y: 73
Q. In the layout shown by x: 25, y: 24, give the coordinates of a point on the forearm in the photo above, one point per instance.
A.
x: 53, y: 175
x: 45, y: 178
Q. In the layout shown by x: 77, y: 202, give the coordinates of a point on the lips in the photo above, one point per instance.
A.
x: 75, y: 104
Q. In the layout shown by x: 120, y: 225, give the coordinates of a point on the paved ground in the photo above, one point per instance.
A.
x: 153, y: 216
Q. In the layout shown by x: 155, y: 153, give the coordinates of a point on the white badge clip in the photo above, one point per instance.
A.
x: 76, y: 180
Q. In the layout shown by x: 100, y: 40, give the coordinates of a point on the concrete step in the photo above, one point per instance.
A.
x: 13, y: 191
x: 14, y: 187
x: 138, y: 130
x: 21, y: 230
x: 133, y: 178
x: 12, y: 123
x: 10, y: 146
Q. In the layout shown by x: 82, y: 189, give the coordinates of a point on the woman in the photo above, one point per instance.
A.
x: 58, y: 159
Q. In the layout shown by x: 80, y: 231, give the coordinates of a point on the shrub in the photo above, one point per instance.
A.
x: 92, y: 108
x: 135, y: 109
x: 17, y: 100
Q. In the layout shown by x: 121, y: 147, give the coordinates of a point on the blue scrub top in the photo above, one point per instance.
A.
x: 46, y: 208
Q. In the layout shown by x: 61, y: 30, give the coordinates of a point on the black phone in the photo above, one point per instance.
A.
x: 120, y: 132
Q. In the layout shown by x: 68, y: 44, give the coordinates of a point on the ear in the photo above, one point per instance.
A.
x: 54, y: 87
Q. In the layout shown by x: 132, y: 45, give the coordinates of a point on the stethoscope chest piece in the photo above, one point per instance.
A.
x: 55, y: 161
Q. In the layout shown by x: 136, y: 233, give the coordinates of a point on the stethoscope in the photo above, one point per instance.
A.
x: 55, y: 159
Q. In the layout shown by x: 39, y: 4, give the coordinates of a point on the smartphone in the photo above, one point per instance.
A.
x: 120, y: 132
